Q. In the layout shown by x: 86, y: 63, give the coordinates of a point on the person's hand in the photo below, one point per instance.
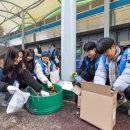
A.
x: 12, y: 89
x: 44, y: 94
x: 50, y: 85
x: 34, y: 77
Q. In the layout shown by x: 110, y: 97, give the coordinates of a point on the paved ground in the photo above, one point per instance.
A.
x: 65, y: 119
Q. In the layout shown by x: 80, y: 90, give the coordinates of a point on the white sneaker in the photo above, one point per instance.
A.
x: 5, y: 103
x: 121, y: 101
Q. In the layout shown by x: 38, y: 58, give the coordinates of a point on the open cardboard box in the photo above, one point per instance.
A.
x: 98, y: 104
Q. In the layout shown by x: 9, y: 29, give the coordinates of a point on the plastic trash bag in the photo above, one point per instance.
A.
x: 54, y: 76
x: 17, y: 101
x: 66, y: 85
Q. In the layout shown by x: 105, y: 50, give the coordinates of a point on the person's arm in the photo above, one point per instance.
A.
x: 28, y: 78
x: 101, y: 73
x: 39, y: 73
x: 123, y: 81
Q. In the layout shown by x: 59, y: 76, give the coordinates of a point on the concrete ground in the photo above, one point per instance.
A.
x: 65, y: 119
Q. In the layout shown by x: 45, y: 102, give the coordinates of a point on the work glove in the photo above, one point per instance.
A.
x: 77, y: 78
x: 44, y: 93
x: 79, y: 71
x: 50, y: 85
x: 12, y: 89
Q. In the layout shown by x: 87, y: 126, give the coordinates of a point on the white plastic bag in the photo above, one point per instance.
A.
x: 17, y: 101
x: 54, y: 76
x: 66, y: 85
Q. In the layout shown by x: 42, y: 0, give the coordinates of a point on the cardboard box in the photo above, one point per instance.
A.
x: 98, y: 105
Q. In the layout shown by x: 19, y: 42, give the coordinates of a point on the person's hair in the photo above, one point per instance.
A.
x: 29, y: 52
x: 2, y: 56
x: 53, y: 45
x: 89, y: 46
x: 23, y: 52
x: 9, y: 58
x: 21, y: 65
x: 39, y: 48
x: 30, y: 64
x: 104, y: 44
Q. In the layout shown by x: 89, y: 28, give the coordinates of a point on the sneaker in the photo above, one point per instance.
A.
x: 121, y: 101
x: 5, y: 103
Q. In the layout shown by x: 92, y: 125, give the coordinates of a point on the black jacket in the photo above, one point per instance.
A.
x: 3, y: 86
x: 29, y: 80
x: 30, y: 66
x: 26, y: 77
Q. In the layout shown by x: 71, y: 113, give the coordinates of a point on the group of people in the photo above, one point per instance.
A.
x: 107, y: 64
x: 19, y: 68
x: 104, y: 63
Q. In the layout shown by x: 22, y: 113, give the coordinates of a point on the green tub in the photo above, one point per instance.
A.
x: 68, y: 95
x: 39, y: 105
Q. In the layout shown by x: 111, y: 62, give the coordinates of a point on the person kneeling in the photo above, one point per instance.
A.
x: 90, y: 62
x: 115, y: 66
x: 43, y: 68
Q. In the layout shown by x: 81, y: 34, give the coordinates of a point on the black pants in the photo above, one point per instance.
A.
x: 87, y: 76
x: 126, y: 92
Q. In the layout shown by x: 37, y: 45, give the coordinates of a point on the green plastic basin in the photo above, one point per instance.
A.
x: 39, y: 105
x: 68, y: 95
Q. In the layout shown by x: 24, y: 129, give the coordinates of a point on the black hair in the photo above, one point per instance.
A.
x: 89, y: 46
x: 9, y: 58
x: 104, y: 44
x: 2, y: 56
x: 53, y: 45
x: 9, y: 65
x: 23, y: 52
x: 29, y: 52
x: 38, y: 46
x: 30, y: 64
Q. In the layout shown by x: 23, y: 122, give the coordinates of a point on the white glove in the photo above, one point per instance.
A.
x: 56, y: 60
x: 50, y: 85
x: 12, y: 89
x: 44, y: 94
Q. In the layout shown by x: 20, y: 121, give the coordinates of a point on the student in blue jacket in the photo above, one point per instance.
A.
x: 43, y: 68
x: 115, y: 66
x: 90, y: 62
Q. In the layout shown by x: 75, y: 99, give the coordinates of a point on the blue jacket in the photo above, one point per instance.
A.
x: 54, y: 53
x: 44, y: 66
x: 123, y: 64
x: 86, y: 63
